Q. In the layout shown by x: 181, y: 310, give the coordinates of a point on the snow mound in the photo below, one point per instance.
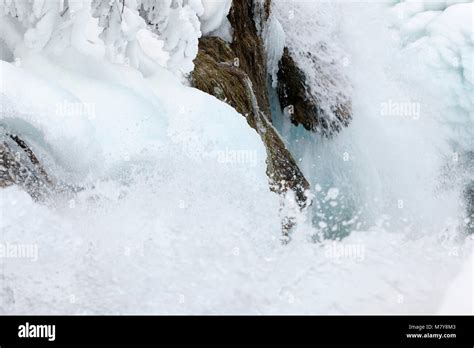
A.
x: 89, y: 98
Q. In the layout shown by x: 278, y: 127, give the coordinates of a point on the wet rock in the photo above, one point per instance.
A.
x: 20, y: 166
x: 248, y: 48
x: 301, y: 106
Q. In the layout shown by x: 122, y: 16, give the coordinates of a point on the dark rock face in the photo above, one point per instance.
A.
x: 301, y: 107
x: 217, y: 73
x: 20, y: 166
x: 247, y: 46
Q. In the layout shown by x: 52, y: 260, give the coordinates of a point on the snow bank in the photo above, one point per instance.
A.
x: 115, y: 28
x: 39, y: 118
x: 90, y: 97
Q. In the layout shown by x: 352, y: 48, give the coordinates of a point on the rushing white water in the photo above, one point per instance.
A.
x: 387, y: 166
x: 402, y: 165
x: 166, y: 225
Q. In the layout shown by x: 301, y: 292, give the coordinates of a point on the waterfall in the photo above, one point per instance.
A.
x: 386, y: 169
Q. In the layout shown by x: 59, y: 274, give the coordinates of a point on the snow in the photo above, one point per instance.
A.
x: 181, y: 37
x: 214, y: 15
x: 153, y: 47
x: 459, y: 299
x: 176, y: 24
